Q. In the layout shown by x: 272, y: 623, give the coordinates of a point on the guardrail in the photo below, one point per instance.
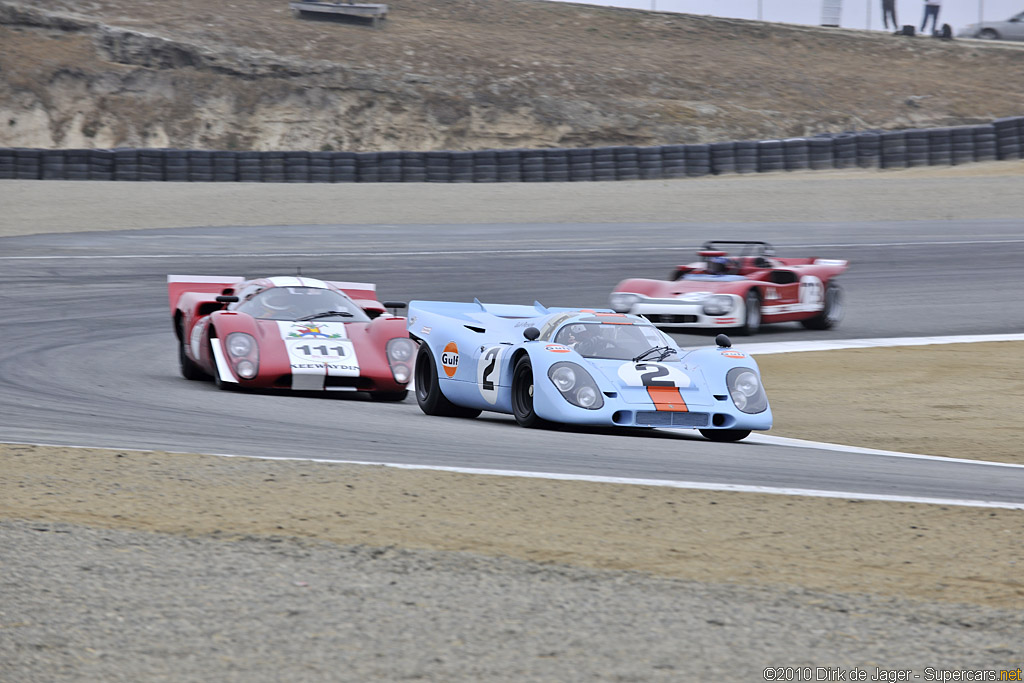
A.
x: 1001, y: 139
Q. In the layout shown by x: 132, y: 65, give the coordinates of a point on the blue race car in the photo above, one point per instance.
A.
x: 585, y: 367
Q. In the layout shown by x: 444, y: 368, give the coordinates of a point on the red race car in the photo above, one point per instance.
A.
x: 738, y: 291
x: 290, y: 333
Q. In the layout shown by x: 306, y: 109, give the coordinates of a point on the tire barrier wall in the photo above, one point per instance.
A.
x: 1001, y: 139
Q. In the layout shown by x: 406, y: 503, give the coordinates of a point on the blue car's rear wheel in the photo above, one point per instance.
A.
x: 522, y: 394
x: 428, y: 390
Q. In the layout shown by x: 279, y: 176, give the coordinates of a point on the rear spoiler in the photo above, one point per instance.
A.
x: 750, y: 247
x: 205, y: 284
x: 364, y: 294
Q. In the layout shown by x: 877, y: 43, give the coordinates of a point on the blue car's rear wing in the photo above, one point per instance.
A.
x: 425, y: 316
x: 472, y: 311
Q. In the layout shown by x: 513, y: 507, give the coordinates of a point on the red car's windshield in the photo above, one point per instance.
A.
x: 299, y: 303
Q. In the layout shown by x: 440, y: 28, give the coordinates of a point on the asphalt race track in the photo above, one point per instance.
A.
x: 89, y: 354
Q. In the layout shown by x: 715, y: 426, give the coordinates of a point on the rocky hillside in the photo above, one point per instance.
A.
x: 466, y: 74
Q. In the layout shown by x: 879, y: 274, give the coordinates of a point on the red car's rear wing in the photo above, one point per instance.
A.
x: 204, y: 284
x: 364, y: 294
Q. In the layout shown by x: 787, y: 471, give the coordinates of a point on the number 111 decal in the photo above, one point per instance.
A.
x: 323, y: 350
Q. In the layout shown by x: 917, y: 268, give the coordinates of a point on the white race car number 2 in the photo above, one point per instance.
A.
x: 488, y: 373
x: 652, y: 375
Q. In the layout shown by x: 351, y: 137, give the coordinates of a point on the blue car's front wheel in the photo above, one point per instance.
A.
x: 522, y: 394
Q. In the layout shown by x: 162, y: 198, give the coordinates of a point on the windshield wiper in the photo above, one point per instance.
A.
x: 662, y: 351
x: 325, y: 314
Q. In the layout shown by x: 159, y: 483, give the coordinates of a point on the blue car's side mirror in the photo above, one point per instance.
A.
x: 531, y: 333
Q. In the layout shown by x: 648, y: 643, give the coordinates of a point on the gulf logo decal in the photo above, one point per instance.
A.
x: 450, y: 358
x: 557, y: 348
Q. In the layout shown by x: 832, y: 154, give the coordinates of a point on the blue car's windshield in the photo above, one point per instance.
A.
x: 607, y: 340
x: 302, y: 303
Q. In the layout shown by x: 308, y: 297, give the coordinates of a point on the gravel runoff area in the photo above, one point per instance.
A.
x: 128, y: 566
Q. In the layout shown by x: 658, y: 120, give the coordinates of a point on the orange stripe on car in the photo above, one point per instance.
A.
x: 667, y: 398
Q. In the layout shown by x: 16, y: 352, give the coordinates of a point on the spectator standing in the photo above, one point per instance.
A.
x: 889, y: 11
x: 931, y: 11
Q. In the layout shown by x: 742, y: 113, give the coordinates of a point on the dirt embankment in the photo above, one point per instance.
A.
x: 466, y: 74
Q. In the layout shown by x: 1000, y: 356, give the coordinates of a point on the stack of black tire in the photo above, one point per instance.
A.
x: 770, y: 156
x: 627, y: 165
x: 894, y: 149
x: 984, y: 139
x: 1009, y: 132
x: 698, y: 160
x: 344, y: 167
x: 673, y: 162
x: 249, y: 167
x: 723, y: 157
x: 940, y: 146
x: 820, y: 153
x: 1001, y: 139
x: 603, y: 162
x: 869, y: 149
x: 485, y: 166
x: 917, y: 149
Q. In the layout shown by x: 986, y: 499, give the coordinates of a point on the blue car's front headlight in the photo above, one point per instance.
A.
x: 576, y: 385
x: 746, y: 390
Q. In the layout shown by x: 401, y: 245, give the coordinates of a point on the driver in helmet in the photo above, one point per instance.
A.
x: 720, y: 265
x: 588, y: 340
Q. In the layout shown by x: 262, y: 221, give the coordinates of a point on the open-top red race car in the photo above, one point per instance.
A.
x: 290, y: 333
x: 739, y: 290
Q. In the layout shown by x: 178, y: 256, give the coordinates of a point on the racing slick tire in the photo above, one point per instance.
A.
x: 831, y: 314
x: 522, y: 395
x: 189, y: 368
x: 428, y: 391
x: 725, y: 435
x: 751, y: 313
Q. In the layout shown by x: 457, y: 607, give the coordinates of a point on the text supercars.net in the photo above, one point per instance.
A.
x: 838, y: 673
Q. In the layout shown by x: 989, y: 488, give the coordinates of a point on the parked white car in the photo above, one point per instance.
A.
x: 1011, y: 29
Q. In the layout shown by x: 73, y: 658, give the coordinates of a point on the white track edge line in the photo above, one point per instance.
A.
x: 883, y: 342
x: 771, y: 440
x: 664, y: 483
